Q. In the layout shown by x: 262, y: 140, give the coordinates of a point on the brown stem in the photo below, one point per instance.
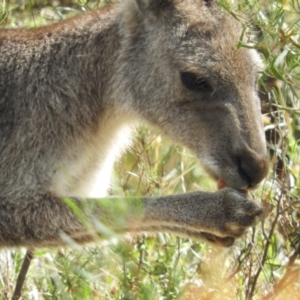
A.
x: 250, y: 289
x: 287, y: 278
x: 22, y: 275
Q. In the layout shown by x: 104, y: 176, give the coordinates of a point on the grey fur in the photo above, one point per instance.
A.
x: 71, y: 93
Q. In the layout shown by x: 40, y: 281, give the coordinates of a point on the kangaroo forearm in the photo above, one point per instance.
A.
x: 218, y: 217
x: 118, y: 214
x: 22, y: 221
x: 189, y: 214
x: 194, y: 211
x: 113, y: 215
x: 86, y: 219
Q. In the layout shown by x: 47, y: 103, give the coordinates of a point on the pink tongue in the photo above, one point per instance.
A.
x: 221, y: 184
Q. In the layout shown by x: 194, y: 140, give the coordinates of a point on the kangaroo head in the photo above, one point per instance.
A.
x: 188, y: 78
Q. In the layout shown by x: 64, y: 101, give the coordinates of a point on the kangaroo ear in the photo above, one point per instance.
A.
x: 157, y: 6
x: 154, y: 5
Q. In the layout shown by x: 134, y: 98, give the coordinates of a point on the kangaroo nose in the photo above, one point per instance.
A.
x: 253, y: 167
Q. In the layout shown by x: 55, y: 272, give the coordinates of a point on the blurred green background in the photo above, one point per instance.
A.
x: 264, y: 264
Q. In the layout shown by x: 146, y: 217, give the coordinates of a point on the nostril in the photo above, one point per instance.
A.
x: 243, y: 174
x: 252, y: 167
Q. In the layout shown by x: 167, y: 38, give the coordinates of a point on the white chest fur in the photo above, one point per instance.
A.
x: 86, y: 171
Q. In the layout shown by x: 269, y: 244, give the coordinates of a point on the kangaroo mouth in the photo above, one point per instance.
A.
x: 222, y: 184
x: 238, y: 184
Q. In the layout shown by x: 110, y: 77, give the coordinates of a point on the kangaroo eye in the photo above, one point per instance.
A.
x: 195, y: 83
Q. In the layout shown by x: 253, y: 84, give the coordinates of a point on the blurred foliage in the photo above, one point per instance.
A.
x: 264, y: 264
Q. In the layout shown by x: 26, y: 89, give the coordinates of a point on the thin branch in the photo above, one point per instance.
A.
x: 250, y: 290
x: 287, y: 277
x: 22, y: 275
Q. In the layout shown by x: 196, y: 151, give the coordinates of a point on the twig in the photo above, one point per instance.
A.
x: 22, y: 275
x: 286, y: 279
x: 250, y: 289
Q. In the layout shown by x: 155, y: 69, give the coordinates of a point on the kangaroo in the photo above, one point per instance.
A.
x: 71, y: 94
